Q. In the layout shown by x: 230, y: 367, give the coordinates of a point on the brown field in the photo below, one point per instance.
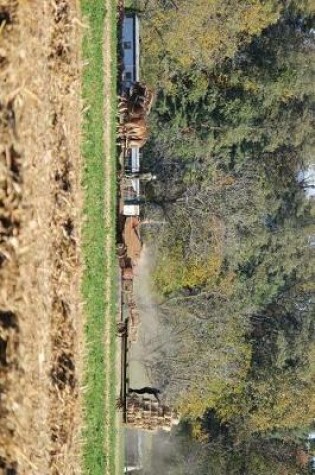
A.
x: 41, y: 328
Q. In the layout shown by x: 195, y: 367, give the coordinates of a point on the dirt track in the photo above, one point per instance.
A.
x: 40, y: 309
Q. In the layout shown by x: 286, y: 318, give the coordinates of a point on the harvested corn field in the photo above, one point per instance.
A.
x: 40, y: 270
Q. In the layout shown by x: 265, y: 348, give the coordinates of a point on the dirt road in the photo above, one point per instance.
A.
x: 40, y: 269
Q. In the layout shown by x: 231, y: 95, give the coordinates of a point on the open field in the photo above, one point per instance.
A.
x: 40, y: 267
x: 43, y: 345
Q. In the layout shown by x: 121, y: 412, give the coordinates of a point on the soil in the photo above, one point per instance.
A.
x: 40, y: 270
x: 132, y: 240
x: 152, y: 335
x: 143, y: 354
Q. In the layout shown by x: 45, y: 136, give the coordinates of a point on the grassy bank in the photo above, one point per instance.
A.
x: 111, y: 413
x: 99, y: 242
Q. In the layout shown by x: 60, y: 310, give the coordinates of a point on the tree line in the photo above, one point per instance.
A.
x: 231, y: 128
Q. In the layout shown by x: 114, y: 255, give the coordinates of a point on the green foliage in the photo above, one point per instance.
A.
x: 173, y: 272
x: 202, y: 33
x: 180, y: 454
x: 232, y: 126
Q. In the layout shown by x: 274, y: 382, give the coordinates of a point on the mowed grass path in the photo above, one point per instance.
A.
x: 99, y: 182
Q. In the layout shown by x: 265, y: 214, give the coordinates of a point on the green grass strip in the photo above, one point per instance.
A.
x: 111, y: 416
x: 113, y: 435
x: 98, y: 265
